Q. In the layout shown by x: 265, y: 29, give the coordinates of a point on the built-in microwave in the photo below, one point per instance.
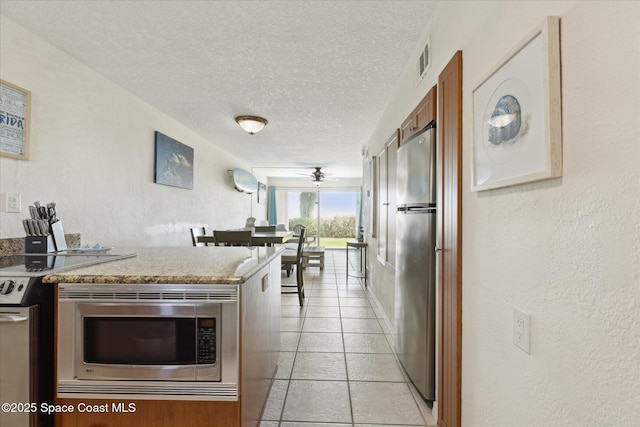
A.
x: 148, y: 341
x: 145, y: 336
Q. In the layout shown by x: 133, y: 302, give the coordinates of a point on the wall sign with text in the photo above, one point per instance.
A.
x: 15, y: 105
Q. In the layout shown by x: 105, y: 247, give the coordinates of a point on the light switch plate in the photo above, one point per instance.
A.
x: 522, y: 330
x: 11, y: 202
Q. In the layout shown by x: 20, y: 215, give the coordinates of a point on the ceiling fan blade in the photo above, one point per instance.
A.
x: 317, y: 175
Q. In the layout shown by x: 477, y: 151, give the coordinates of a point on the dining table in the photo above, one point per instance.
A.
x: 258, y: 238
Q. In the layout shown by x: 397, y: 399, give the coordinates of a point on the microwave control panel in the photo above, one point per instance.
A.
x: 206, y: 340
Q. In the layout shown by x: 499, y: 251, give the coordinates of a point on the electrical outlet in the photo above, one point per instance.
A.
x: 11, y: 202
x: 522, y: 330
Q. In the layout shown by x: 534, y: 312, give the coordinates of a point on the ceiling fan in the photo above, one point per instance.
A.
x: 318, y: 177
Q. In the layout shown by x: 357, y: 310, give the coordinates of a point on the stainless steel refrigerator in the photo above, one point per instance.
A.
x: 415, y: 259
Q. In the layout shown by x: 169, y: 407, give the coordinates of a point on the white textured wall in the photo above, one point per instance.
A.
x: 92, y: 152
x: 565, y: 250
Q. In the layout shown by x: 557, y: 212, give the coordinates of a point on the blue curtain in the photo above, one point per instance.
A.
x: 358, y: 233
x: 272, y: 211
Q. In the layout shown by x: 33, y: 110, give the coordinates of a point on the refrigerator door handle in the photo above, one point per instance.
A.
x: 421, y: 210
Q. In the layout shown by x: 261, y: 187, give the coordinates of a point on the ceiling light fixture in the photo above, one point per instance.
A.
x: 252, y: 124
x: 317, y: 176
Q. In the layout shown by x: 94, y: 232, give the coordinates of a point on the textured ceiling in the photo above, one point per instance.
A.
x: 321, y: 72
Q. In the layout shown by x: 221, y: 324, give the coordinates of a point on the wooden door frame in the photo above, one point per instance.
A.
x: 449, y: 242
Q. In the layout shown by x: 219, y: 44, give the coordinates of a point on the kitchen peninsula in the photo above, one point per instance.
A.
x: 184, y: 336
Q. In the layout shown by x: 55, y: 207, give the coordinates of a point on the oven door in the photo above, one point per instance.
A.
x: 147, y: 341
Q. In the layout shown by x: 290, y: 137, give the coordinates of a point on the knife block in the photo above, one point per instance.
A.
x: 39, y: 244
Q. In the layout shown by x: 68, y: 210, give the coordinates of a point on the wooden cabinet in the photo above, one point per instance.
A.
x: 143, y: 413
x: 387, y: 160
x: 424, y: 113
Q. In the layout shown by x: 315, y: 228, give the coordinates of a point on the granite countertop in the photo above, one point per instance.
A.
x: 184, y: 265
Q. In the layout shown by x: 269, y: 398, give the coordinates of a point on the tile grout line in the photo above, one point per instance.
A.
x: 295, y: 355
x: 346, y: 365
x: 317, y: 279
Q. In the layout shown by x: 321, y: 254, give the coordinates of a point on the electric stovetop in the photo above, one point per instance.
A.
x: 33, y: 265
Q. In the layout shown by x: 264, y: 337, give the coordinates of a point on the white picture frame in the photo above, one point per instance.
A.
x: 15, y: 116
x: 517, y: 115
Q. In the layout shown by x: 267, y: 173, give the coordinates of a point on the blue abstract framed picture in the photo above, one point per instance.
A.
x: 173, y: 162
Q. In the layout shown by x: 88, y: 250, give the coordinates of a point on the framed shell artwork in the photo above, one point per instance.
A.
x: 517, y: 136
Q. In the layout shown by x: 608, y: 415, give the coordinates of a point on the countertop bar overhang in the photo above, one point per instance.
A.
x: 166, y: 265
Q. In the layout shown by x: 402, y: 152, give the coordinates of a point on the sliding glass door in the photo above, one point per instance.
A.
x: 302, y: 208
x: 338, y: 217
x: 330, y: 215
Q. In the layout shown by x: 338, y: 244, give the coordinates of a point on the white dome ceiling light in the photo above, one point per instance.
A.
x: 251, y: 124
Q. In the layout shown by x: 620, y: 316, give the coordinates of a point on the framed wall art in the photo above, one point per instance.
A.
x: 517, y: 133
x: 15, y: 111
x: 173, y: 162
x: 262, y: 193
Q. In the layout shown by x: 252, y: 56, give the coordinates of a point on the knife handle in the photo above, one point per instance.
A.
x: 26, y: 226
x: 44, y: 227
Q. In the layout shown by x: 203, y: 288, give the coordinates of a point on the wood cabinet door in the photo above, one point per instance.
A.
x: 387, y: 166
x: 392, y: 164
x: 450, y: 241
x: 407, y: 128
x: 382, y: 207
x: 424, y: 113
x: 426, y: 110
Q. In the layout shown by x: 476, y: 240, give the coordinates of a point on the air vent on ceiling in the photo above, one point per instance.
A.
x: 424, y: 62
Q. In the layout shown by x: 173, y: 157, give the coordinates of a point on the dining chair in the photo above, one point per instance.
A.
x: 289, y: 259
x: 296, y: 235
x: 265, y: 228
x: 232, y: 238
x: 195, y: 233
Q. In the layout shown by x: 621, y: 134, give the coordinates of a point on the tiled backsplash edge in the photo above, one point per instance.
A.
x: 15, y: 245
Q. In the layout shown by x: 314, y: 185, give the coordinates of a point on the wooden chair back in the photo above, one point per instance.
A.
x: 232, y: 238
x: 195, y: 233
x: 288, y: 262
x: 265, y: 228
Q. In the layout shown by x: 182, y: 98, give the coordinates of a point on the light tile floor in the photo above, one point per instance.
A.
x: 337, y: 366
